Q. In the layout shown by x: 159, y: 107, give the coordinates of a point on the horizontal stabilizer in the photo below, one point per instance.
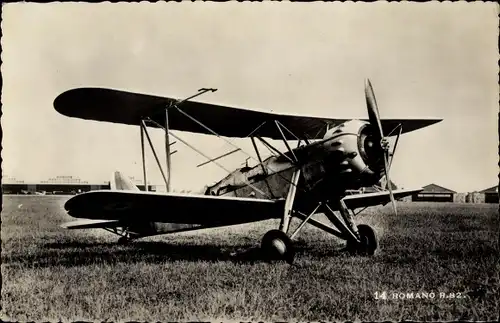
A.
x: 90, y: 224
x: 377, y: 198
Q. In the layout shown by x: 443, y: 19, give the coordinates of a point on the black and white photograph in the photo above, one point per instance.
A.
x: 205, y: 161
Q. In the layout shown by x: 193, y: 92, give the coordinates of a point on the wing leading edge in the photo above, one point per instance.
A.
x: 377, y: 198
x: 90, y: 224
x: 122, y: 107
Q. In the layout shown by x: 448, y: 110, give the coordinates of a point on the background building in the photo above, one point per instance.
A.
x: 490, y: 194
x: 59, y: 185
x: 11, y: 185
x: 434, y: 193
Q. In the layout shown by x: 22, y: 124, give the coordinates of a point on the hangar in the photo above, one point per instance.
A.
x: 490, y: 194
x: 434, y: 193
x: 60, y: 185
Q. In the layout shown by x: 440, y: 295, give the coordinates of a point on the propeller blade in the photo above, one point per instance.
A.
x: 389, y: 186
x: 371, y: 105
x: 374, y: 117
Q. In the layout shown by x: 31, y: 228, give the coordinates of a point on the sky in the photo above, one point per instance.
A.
x: 425, y: 60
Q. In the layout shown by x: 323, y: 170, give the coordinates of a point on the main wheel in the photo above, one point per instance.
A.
x: 368, y: 242
x: 277, y: 245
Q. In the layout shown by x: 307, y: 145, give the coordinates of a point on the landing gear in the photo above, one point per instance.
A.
x: 123, y: 240
x: 367, y: 244
x: 277, y: 245
x: 125, y: 236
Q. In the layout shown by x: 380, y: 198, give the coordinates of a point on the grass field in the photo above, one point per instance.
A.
x: 49, y: 273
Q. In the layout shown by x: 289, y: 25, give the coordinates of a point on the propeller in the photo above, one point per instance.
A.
x: 374, y: 118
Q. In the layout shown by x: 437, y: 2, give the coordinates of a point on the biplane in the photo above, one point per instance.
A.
x: 325, y: 159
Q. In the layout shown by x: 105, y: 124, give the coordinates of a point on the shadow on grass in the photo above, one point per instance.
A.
x: 73, y: 253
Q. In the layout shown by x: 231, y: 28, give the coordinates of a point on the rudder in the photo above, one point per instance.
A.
x: 120, y: 182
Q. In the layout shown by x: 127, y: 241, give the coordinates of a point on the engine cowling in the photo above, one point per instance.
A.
x: 362, y: 156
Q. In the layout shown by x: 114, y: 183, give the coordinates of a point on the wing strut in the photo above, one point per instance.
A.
x: 166, y: 128
x: 264, y: 169
x: 167, y: 151
x: 285, y: 141
x: 144, y: 128
x: 271, y: 148
x: 235, y: 146
x: 219, y: 157
x: 143, y: 153
x: 399, y: 127
x: 201, y: 153
x: 235, y: 150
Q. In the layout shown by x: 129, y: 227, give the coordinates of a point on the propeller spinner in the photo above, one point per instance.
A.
x: 374, y: 117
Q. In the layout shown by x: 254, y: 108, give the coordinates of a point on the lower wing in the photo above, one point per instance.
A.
x: 91, y: 224
x: 377, y: 198
x: 109, y: 209
x: 146, y: 229
x: 131, y: 206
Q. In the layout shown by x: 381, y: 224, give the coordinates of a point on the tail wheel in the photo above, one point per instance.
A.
x: 368, y: 242
x: 123, y: 240
x: 277, y: 245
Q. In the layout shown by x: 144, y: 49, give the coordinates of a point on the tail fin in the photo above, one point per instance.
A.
x: 121, y: 182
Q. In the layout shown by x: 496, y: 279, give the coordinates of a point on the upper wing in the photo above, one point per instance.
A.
x: 170, y: 207
x: 129, y: 108
x: 377, y: 198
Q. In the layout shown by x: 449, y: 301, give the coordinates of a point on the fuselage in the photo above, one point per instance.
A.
x: 346, y: 158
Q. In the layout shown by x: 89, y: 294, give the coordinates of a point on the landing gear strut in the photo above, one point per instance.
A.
x: 276, y: 244
x: 361, y: 239
x: 367, y: 244
x: 125, y: 235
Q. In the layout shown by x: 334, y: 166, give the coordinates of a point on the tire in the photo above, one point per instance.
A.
x: 276, y: 245
x: 368, y: 244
